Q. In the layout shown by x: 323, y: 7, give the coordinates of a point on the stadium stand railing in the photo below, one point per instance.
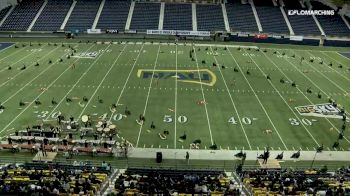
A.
x: 83, y: 15
x: 210, y: 18
x: 145, y: 16
x: 333, y: 25
x: 3, y: 12
x: 271, y: 17
x: 52, y: 16
x: 177, y: 17
x: 302, y: 25
x: 114, y: 15
x: 240, y: 17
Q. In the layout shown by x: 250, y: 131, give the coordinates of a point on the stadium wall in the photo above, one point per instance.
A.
x: 338, y: 43
x: 6, y: 3
x: 236, y: 37
x: 279, y: 40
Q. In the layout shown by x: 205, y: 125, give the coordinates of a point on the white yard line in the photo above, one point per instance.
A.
x: 203, y: 96
x: 325, y: 76
x: 103, y: 79
x: 76, y: 83
x: 25, y: 109
x: 29, y: 83
x: 286, y: 59
x: 175, y: 109
x: 346, y: 78
x: 21, y: 72
x: 19, y: 50
x: 233, y: 103
x: 273, y: 86
x: 342, y: 56
x: 258, y: 99
x: 126, y: 81
x: 148, y: 93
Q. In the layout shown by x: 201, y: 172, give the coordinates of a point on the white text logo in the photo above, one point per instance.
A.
x: 311, y: 12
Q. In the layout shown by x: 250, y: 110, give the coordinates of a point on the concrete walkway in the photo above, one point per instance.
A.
x: 229, y: 154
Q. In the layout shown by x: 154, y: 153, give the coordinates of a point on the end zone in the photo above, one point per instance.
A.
x: 5, y: 45
x: 345, y: 54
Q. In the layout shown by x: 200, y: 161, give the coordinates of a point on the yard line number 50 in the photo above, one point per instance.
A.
x: 169, y: 119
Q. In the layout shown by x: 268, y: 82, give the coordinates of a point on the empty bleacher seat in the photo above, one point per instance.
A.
x: 22, y: 15
x: 52, y: 17
x: 177, y: 17
x: 83, y: 15
x: 302, y: 25
x: 331, y: 24
x: 241, y: 17
x: 210, y: 18
x: 114, y: 15
x: 271, y: 17
x: 145, y: 16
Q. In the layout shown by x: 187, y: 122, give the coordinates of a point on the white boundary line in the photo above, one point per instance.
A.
x: 346, y: 78
x: 103, y: 79
x: 302, y: 49
x: 257, y: 98
x: 76, y: 83
x: 148, y: 93
x: 13, y: 44
x: 203, y: 96
x: 53, y: 82
x: 233, y: 103
x: 273, y: 86
x: 19, y: 50
x: 175, y: 109
x: 308, y: 78
x: 127, y: 79
x: 342, y: 56
x: 28, y: 83
x: 310, y: 65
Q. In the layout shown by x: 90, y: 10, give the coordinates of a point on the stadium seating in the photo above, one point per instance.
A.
x: 170, y: 182
x: 332, y: 25
x: 308, y: 182
x: 51, y: 18
x: 22, y: 15
x: 83, y: 15
x: 51, y: 179
x: 271, y: 17
x: 210, y: 18
x: 177, y: 17
x: 302, y: 25
x: 145, y: 16
x: 114, y: 15
x: 241, y: 17
x: 4, y: 11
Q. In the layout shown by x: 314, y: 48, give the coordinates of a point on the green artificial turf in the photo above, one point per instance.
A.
x: 234, y: 113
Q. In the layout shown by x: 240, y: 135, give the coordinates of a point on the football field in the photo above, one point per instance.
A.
x: 234, y: 96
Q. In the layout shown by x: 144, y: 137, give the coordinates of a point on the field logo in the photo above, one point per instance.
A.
x: 206, y: 77
x: 320, y: 110
x: 86, y: 55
